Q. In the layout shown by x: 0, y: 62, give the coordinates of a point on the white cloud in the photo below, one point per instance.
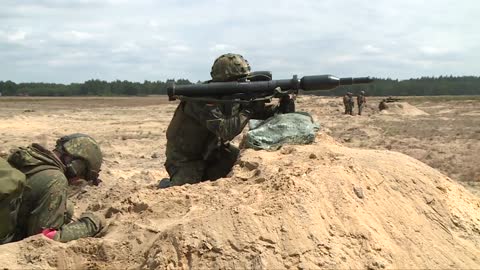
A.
x: 126, y: 47
x: 430, y: 50
x: 16, y: 36
x: 341, y: 59
x: 372, y: 49
x: 69, y: 59
x: 153, y: 23
x: 73, y: 36
x: 159, y: 38
x: 222, y: 48
x: 80, y: 36
x: 179, y: 49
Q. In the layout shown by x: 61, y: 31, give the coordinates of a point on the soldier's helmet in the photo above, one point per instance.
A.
x: 86, y: 154
x: 229, y: 67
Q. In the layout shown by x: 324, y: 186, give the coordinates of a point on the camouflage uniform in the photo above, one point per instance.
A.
x: 12, y: 184
x: 44, y: 204
x: 382, y: 105
x: 198, y: 136
x: 349, y: 103
x: 361, y: 101
x: 345, y: 103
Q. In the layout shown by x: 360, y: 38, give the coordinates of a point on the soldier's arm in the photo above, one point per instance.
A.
x: 211, y: 115
x: 266, y: 112
x: 50, y: 188
x: 88, y: 225
x: 48, y: 217
x: 263, y: 111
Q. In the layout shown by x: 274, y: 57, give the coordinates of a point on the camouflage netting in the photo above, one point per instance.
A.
x: 291, y: 128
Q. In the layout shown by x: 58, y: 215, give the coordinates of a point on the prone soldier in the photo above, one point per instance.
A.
x: 382, y: 105
x: 75, y: 160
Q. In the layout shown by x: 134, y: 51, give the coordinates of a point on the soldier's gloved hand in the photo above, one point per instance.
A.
x: 254, y: 107
x: 261, y: 110
x: 286, y: 104
x: 49, y: 233
x: 98, y: 221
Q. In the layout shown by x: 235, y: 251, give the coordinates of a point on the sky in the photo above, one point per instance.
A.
x: 65, y: 41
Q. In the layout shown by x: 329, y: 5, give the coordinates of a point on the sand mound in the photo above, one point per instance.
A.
x: 312, y: 206
x: 402, y: 108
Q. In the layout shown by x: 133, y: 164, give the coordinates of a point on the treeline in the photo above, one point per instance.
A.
x: 425, y: 86
x: 88, y: 88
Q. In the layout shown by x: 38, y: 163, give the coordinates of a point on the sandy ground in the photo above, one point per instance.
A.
x: 443, y: 132
x: 331, y: 204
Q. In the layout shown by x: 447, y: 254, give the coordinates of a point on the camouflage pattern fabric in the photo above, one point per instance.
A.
x: 197, y: 140
x: 12, y: 184
x: 85, y: 148
x: 44, y: 203
x: 361, y: 100
x: 70, y: 212
x: 349, y: 104
x: 360, y: 108
x: 345, y: 103
x: 382, y: 105
x: 87, y: 225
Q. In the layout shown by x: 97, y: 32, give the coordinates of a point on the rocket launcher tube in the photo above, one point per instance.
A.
x: 306, y: 83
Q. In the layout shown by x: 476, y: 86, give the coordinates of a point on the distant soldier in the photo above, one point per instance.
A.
x: 361, y: 101
x: 42, y: 206
x: 350, y: 103
x: 383, y: 105
x: 345, y: 102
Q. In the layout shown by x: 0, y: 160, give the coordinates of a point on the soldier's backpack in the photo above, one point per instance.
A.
x: 12, y: 184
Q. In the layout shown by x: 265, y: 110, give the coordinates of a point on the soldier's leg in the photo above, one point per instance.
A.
x: 186, y: 172
x: 221, y: 162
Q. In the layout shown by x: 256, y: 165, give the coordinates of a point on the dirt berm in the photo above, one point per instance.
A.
x: 302, y: 207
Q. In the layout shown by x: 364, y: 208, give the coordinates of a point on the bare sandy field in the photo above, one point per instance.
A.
x: 350, y: 200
